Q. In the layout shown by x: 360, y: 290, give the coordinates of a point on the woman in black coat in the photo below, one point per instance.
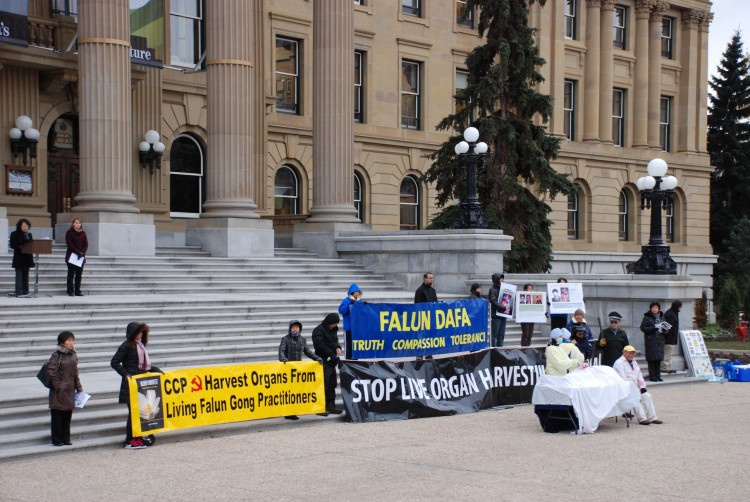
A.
x: 131, y: 359
x: 654, y: 340
x: 22, y: 262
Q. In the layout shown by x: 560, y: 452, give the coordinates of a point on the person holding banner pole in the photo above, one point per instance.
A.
x: 326, y: 343
x: 131, y: 359
x: 352, y: 297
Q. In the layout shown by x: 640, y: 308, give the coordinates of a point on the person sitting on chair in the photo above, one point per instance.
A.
x: 558, y: 360
x: 629, y: 370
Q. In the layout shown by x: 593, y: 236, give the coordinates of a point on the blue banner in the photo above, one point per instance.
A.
x: 388, y: 330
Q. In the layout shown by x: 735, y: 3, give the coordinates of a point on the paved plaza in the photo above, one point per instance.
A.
x: 698, y: 454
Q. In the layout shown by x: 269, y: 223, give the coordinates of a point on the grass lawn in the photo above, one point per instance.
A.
x: 727, y: 345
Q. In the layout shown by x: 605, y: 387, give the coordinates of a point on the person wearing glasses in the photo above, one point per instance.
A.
x: 612, y: 340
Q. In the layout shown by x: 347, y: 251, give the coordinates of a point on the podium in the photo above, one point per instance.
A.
x: 36, y: 247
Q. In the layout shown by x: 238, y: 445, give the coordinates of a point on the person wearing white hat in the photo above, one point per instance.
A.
x: 628, y: 369
x: 558, y: 359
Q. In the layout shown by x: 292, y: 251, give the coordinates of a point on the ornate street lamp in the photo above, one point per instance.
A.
x: 657, y: 192
x: 471, y: 154
x: 150, y: 151
x: 23, y: 138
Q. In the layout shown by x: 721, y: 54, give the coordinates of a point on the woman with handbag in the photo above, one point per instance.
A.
x: 78, y: 244
x: 63, y: 371
x: 131, y: 359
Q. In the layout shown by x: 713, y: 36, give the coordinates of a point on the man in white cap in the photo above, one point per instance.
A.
x: 628, y: 369
x: 558, y: 360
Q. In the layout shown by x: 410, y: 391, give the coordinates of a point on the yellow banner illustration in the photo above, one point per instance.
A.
x: 221, y: 394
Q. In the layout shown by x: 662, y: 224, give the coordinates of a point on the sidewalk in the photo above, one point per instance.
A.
x: 697, y: 454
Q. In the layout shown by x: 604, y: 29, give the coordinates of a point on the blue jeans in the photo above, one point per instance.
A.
x: 498, y: 331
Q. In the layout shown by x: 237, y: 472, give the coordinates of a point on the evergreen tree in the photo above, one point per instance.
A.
x: 728, y: 143
x: 501, y: 100
x: 700, y: 318
x: 734, y: 260
x: 730, y: 303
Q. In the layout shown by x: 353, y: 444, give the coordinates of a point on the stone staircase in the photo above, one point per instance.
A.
x: 202, y: 311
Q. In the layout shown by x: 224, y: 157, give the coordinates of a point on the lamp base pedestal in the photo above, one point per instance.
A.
x: 471, y: 216
x: 655, y: 260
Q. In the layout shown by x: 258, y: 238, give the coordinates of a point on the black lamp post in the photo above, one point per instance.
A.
x: 23, y: 139
x: 471, y: 154
x: 657, y: 192
x: 150, y: 151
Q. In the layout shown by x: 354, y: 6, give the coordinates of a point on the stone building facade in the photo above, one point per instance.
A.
x: 251, y: 103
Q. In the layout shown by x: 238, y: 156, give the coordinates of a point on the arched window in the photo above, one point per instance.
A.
x: 573, y: 216
x: 624, y: 216
x: 409, y: 204
x: 186, y: 177
x: 359, y: 197
x: 286, y: 191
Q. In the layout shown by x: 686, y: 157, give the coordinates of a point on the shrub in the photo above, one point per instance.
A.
x: 730, y: 303
x: 700, y: 318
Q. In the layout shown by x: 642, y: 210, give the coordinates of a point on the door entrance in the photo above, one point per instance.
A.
x: 63, y: 172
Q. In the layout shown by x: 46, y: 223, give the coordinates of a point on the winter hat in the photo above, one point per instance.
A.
x: 332, y: 318
x: 497, y: 276
x: 293, y: 322
x: 353, y: 289
x: 64, y: 337
x: 132, y: 329
x: 556, y: 333
x: 614, y: 316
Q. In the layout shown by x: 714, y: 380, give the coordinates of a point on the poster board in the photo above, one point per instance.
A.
x: 531, y: 306
x: 507, y: 298
x: 696, y: 354
x: 565, y: 298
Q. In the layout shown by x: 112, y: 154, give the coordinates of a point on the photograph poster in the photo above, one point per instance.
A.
x: 531, y: 306
x: 565, y: 298
x: 507, y: 298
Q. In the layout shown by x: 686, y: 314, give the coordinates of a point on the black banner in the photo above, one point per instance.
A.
x: 14, y: 22
x: 388, y: 390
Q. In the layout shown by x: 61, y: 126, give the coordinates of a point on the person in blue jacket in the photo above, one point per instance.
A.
x: 581, y: 333
x: 352, y: 297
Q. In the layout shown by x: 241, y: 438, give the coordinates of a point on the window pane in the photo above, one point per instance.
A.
x: 620, y: 27
x: 410, y: 7
x: 286, y: 192
x: 186, y: 180
x: 570, y: 19
x: 185, y: 41
x: 184, y: 196
x: 464, y: 17
x: 286, y: 56
x: 185, y: 157
x: 190, y: 8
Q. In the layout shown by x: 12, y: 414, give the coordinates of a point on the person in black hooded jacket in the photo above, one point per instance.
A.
x: 22, y: 262
x: 327, y: 347
x: 131, y: 359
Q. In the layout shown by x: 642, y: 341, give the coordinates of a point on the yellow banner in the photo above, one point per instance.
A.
x: 221, y: 394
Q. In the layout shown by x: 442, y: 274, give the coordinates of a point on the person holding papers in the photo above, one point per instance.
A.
x: 558, y: 360
x: 63, y: 371
x: 654, y: 328
x: 75, y: 256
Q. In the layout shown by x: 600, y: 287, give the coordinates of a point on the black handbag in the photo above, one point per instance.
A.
x: 44, y: 376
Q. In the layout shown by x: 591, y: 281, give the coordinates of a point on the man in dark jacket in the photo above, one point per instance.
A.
x: 497, y: 323
x: 426, y: 293
x: 326, y: 343
x: 613, y: 340
x: 672, y: 316
x: 291, y: 348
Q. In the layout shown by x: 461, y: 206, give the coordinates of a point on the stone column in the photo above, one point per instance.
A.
x: 654, y: 72
x: 591, y: 73
x: 688, y: 99
x: 606, y: 72
x: 106, y: 203
x: 333, y: 113
x: 229, y: 225
x: 640, y: 90
x: 332, y: 209
x: 705, y: 20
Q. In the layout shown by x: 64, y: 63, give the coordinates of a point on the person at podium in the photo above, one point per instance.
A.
x: 22, y: 262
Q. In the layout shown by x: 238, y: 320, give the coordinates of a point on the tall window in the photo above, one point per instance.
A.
x: 571, y: 19
x: 286, y: 191
x: 409, y: 204
x: 620, y: 25
x: 410, y: 94
x: 65, y: 8
x: 462, y: 80
x: 187, y: 31
x: 670, y: 229
x: 359, y: 197
x: 412, y: 7
x: 464, y: 16
x: 573, y: 215
x: 618, y: 117
x: 667, y: 37
x: 624, y: 216
x: 287, y: 75
x: 359, y: 87
x: 665, y: 123
x: 186, y: 177
x: 569, y: 107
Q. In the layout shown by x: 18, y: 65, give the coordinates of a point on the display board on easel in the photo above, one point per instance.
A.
x: 696, y: 354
